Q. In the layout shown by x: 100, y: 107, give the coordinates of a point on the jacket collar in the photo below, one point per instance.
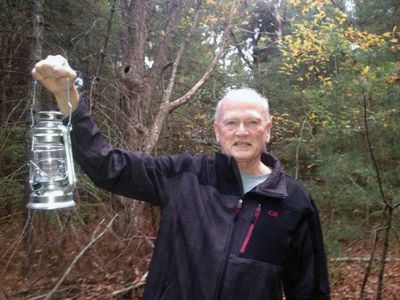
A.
x: 227, y: 172
x: 275, y: 185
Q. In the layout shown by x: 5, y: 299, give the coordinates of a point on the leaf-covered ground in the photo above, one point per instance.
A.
x: 112, y: 267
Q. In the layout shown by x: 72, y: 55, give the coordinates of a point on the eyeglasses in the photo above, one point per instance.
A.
x: 232, y: 124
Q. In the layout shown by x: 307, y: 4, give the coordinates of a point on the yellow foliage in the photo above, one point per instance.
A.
x: 211, y: 19
x: 307, y: 5
x: 365, y: 70
x: 327, y: 84
x: 392, y: 79
x: 295, y: 2
x: 340, y: 19
x: 321, y: 39
x: 313, y: 116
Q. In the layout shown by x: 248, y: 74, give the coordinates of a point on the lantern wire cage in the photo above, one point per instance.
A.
x: 51, y: 172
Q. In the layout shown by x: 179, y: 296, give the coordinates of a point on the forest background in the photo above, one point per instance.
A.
x: 153, y: 70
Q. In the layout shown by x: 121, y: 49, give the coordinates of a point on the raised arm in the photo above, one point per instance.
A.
x: 127, y: 173
x: 53, y: 72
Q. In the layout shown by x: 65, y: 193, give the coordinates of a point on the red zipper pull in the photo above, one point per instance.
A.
x: 238, y: 206
x: 256, y: 214
x: 254, y: 220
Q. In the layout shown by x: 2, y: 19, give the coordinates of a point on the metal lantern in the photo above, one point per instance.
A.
x: 51, y: 173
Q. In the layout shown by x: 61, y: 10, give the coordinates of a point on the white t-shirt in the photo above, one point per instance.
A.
x: 250, y: 181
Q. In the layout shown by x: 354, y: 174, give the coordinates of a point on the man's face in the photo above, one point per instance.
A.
x: 242, y: 129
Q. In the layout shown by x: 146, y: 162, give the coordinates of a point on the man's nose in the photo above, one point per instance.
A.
x: 242, y: 129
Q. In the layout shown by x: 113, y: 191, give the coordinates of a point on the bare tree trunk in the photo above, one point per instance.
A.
x: 134, y: 75
x: 37, y: 39
x: 139, y: 83
x: 103, y: 52
x: 388, y: 205
x: 369, y: 265
x: 37, y: 14
x: 388, y: 218
x: 280, y: 14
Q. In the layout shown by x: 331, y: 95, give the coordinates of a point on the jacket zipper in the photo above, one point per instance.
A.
x: 230, y: 244
x: 238, y: 207
x: 251, y: 229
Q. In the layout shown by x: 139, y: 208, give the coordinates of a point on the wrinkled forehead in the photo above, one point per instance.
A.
x: 242, y: 108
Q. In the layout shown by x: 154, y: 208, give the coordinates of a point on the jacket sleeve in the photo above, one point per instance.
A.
x: 131, y: 174
x: 306, y: 275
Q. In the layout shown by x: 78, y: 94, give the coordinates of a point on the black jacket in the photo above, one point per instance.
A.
x: 214, y: 242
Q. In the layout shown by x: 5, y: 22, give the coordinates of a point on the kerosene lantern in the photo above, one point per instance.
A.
x: 51, y: 172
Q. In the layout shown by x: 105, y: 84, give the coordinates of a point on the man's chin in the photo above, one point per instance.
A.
x: 241, y: 156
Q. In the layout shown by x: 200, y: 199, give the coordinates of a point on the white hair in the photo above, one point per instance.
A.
x: 242, y: 94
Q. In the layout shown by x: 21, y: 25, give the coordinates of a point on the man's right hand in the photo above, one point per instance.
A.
x: 53, y: 72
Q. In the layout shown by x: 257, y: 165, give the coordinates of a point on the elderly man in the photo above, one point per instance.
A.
x: 233, y: 225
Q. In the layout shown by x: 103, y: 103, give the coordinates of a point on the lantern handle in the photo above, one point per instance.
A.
x: 33, y: 106
x: 69, y: 106
x: 33, y: 103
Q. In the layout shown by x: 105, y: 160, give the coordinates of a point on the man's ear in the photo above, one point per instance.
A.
x: 268, y: 129
x: 216, y: 130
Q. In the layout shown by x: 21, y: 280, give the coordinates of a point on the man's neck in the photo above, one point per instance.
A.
x: 254, y: 169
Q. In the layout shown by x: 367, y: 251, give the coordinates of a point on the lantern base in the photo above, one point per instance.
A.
x: 44, y: 202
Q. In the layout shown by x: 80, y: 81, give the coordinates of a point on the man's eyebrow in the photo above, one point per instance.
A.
x: 229, y: 120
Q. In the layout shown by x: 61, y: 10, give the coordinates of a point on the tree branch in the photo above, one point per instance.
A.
x: 141, y: 282
x: 369, y: 265
x: 103, y: 52
x: 298, y: 149
x: 185, y: 98
x: 166, y: 107
x: 95, y: 237
x: 240, y: 50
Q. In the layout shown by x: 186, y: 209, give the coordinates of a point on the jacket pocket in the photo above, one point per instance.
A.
x: 269, y: 236
x: 248, y: 279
